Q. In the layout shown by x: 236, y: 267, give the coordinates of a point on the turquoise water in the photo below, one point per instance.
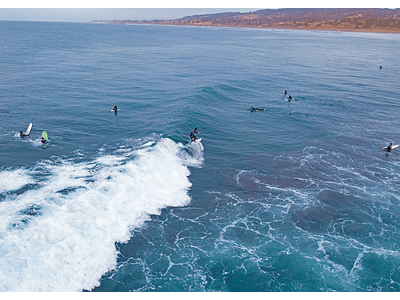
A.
x: 298, y: 197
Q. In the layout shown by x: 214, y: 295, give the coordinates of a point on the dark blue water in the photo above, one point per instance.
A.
x: 298, y: 197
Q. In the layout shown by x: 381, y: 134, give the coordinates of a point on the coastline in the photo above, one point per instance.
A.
x: 330, y: 19
x: 314, y: 28
x: 363, y: 30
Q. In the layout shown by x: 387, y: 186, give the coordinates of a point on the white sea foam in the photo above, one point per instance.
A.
x: 14, y: 180
x: 61, y: 235
x: 194, y: 155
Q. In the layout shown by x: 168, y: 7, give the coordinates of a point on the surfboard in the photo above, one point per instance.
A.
x: 28, y: 130
x: 197, y: 140
x: 394, y: 147
x: 44, y: 135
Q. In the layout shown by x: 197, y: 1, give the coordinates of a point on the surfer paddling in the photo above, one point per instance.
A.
x: 255, y: 109
x: 192, y: 136
x: 388, y: 148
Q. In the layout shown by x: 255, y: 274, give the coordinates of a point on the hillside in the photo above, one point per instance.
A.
x: 358, y: 19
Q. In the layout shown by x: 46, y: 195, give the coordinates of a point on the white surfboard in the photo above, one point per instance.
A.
x: 197, y: 140
x: 28, y: 130
x: 394, y: 147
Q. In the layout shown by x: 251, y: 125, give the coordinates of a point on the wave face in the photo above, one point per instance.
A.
x: 64, y: 217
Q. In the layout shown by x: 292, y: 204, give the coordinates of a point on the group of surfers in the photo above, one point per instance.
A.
x: 43, y: 140
x: 261, y: 109
x: 192, y: 136
x: 289, y: 98
x: 388, y: 148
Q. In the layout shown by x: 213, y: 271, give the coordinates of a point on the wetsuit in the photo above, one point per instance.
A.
x: 192, y: 136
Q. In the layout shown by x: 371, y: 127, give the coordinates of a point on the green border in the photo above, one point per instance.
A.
x: 198, y: 4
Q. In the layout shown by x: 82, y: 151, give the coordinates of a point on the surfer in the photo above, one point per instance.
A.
x: 284, y: 92
x: 388, y: 148
x: 380, y: 68
x: 23, y: 134
x: 43, y: 140
x: 256, y: 109
x: 192, y: 136
x: 290, y: 98
x: 114, y: 109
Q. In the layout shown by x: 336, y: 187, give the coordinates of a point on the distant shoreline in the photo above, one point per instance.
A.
x: 362, y: 30
x: 300, y: 28
x: 370, y: 20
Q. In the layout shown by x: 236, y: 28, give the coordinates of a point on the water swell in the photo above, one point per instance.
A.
x: 59, y: 234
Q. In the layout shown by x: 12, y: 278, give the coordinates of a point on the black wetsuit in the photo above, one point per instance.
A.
x: 388, y: 148
x: 192, y: 136
x: 115, y: 108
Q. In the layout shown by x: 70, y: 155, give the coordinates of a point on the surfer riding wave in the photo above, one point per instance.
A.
x: 192, y: 136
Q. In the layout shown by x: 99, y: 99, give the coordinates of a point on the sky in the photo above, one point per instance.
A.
x: 89, y: 14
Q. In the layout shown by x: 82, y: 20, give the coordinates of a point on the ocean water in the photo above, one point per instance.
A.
x: 298, y: 197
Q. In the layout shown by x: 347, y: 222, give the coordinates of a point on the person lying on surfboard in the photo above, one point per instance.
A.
x: 388, y: 148
x: 256, y: 109
x: 192, y: 136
